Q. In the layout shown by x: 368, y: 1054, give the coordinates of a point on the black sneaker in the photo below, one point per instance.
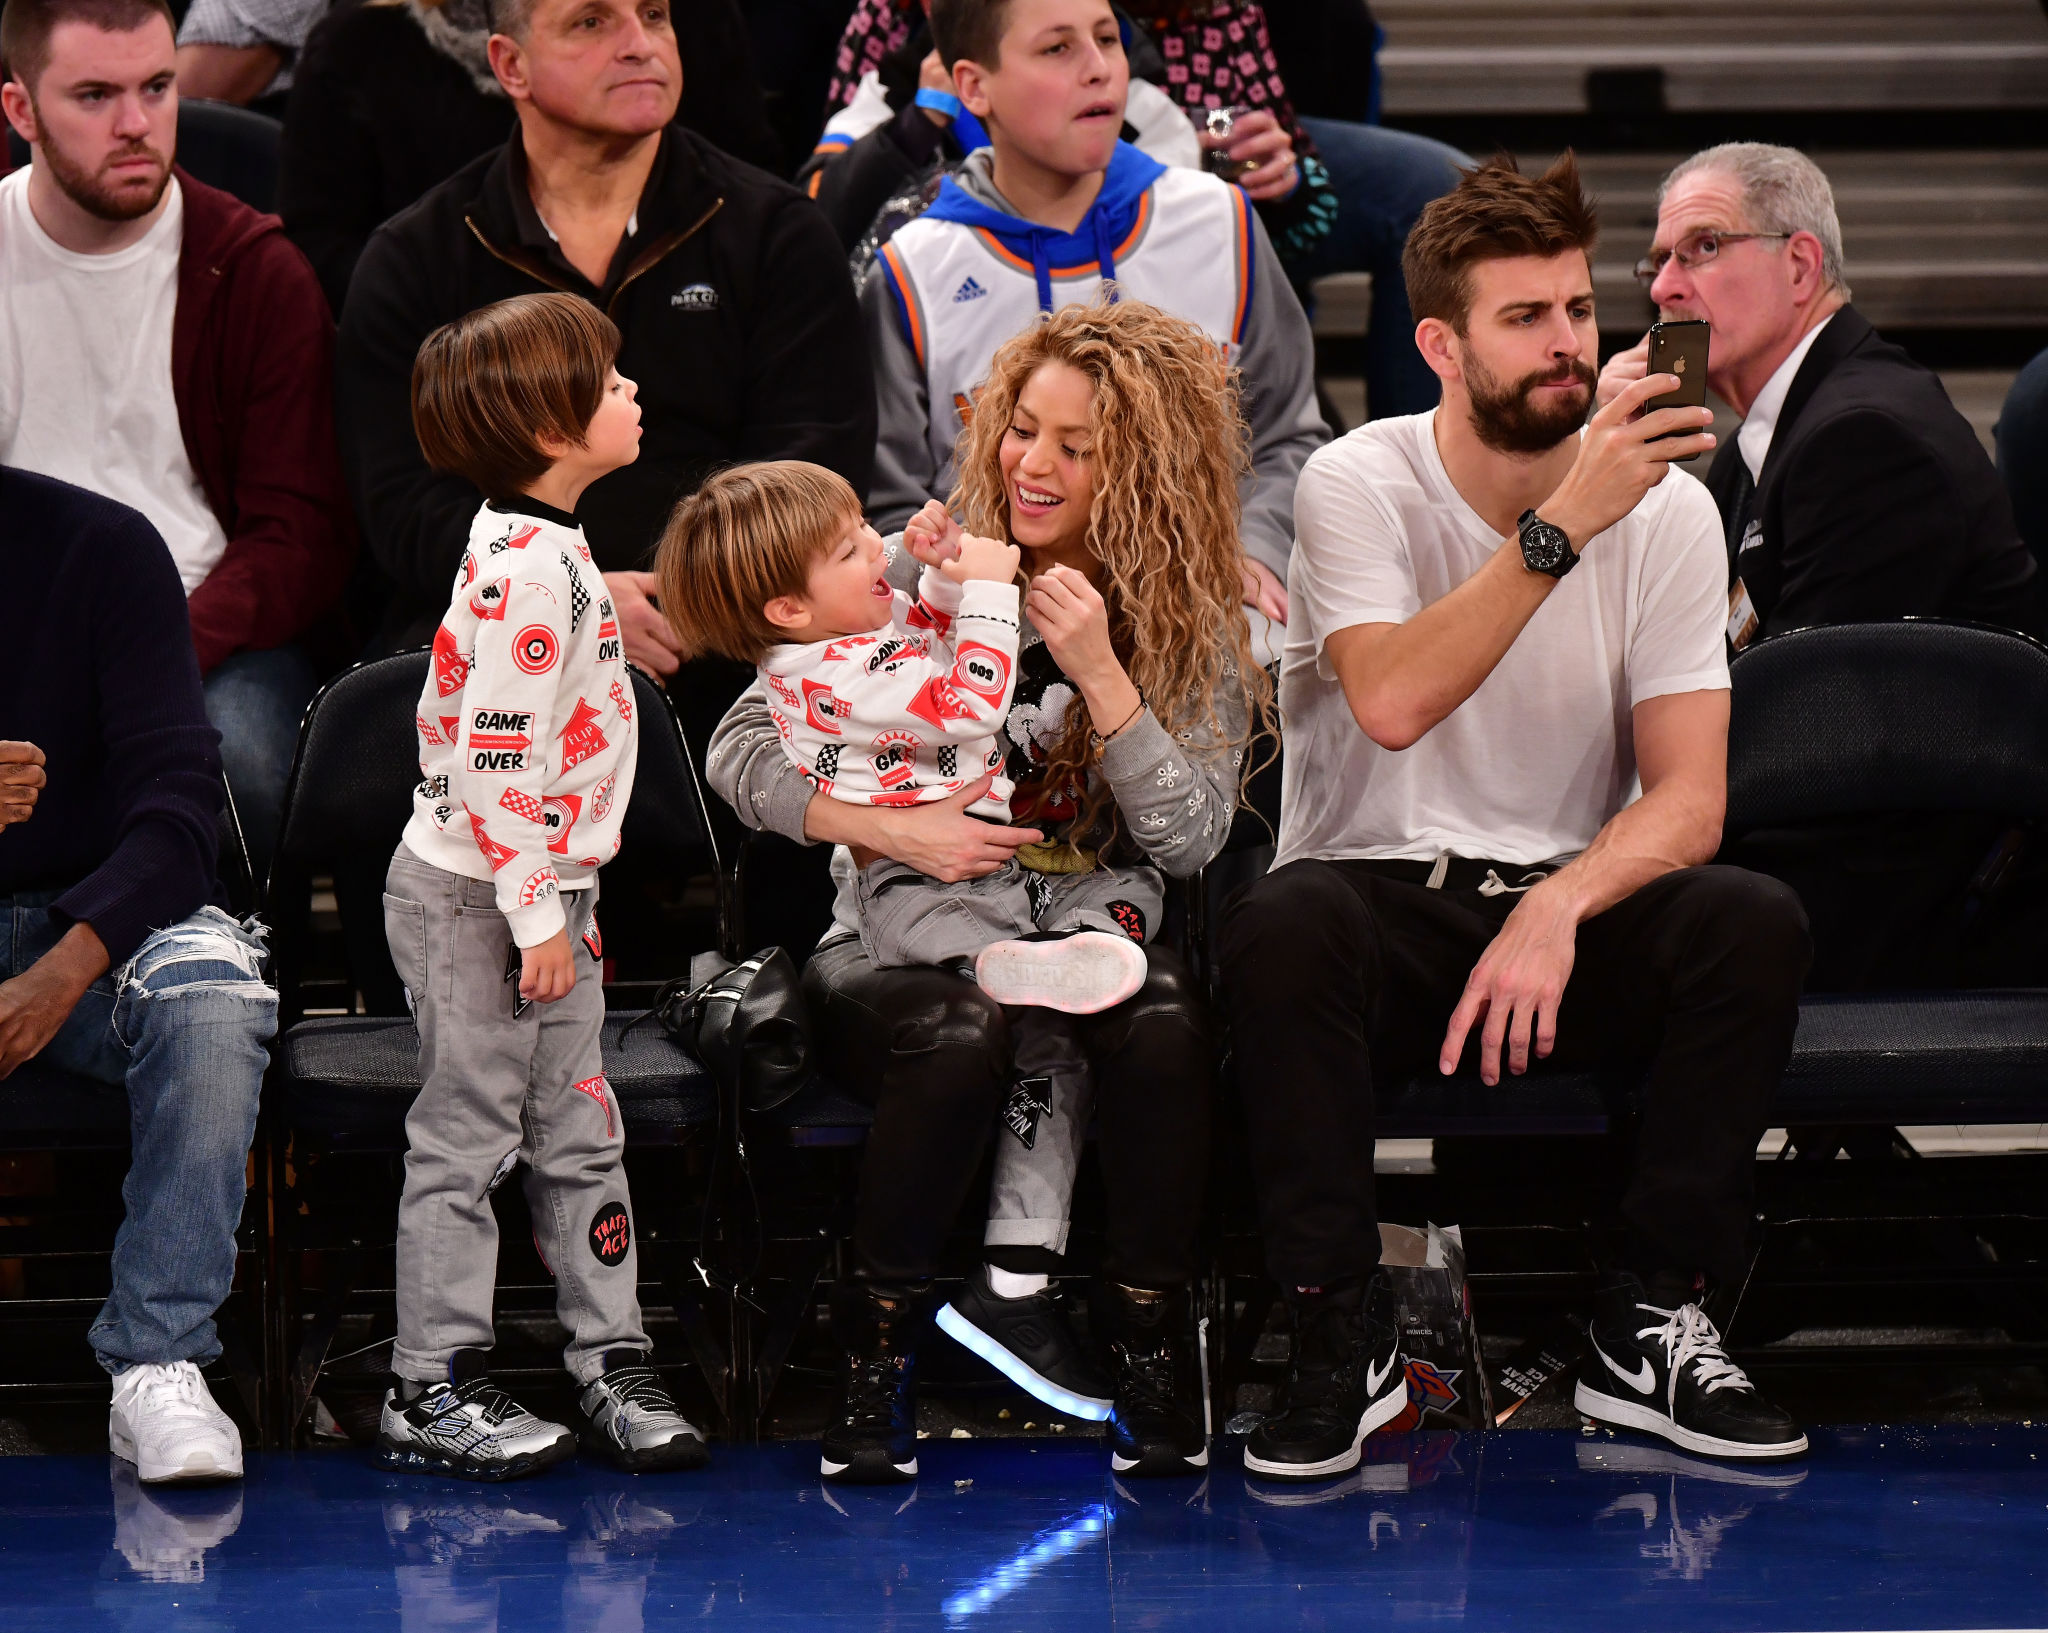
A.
x: 1346, y: 1381
x: 1029, y: 1341
x: 468, y: 1427
x: 1155, y: 1425
x: 631, y: 1421
x: 1658, y: 1366
x: 873, y: 1440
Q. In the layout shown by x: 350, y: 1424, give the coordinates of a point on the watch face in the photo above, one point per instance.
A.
x: 1544, y: 547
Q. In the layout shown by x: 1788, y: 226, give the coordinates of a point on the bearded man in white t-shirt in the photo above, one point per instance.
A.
x: 1502, y: 623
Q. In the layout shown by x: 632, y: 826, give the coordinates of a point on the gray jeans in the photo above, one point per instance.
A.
x: 909, y: 918
x: 501, y: 1089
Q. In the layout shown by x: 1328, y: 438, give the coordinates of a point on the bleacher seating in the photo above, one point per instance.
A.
x: 1499, y: 57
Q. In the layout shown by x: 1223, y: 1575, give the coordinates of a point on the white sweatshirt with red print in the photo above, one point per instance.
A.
x: 905, y: 714
x: 526, y: 728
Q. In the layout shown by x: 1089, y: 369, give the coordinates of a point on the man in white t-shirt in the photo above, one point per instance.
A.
x: 1501, y: 626
x: 164, y: 345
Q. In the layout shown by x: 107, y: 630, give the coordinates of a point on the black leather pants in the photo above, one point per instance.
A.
x: 931, y: 1052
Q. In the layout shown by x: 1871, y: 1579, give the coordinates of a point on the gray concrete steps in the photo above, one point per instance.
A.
x: 1532, y: 56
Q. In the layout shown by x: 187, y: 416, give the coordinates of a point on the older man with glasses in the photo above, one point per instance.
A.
x: 1852, y: 493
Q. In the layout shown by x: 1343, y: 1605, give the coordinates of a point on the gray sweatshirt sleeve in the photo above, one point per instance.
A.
x: 904, y: 474
x: 1178, y: 795
x: 1278, y: 363
x: 748, y: 770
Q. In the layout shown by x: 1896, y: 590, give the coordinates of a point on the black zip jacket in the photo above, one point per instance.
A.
x: 738, y: 322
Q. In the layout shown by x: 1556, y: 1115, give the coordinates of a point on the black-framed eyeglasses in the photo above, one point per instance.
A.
x: 1692, y: 251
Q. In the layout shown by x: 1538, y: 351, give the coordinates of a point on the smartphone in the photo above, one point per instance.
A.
x: 1680, y: 349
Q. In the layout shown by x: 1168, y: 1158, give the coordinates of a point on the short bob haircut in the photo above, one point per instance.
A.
x: 1495, y: 213
x: 488, y: 386
x: 749, y: 534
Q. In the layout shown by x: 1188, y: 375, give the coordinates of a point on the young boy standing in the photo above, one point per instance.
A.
x: 1051, y: 210
x: 527, y: 749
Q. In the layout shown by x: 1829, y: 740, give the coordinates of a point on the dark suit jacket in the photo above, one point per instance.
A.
x: 1876, y: 500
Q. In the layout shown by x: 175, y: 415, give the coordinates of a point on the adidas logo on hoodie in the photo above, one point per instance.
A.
x: 969, y: 291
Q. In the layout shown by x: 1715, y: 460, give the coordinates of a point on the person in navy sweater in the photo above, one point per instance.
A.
x: 118, y: 966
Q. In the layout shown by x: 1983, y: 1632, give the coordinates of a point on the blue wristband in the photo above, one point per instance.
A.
x: 944, y: 102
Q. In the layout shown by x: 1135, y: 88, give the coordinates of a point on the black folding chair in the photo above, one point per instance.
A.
x: 343, y: 1083
x: 64, y: 1146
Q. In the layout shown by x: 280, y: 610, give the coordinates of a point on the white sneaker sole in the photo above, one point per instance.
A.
x: 1079, y: 975
x: 1121, y: 1464
x: 1647, y: 1419
x: 966, y: 1334
x: 1379, y: 1413
x: 198, y: 1467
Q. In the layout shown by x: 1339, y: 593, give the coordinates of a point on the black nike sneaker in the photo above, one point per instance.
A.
x: 1155, y: 1425
x: 873, y: 1440
x: 1346, y: 1381
x: 1658, y: 1366
x: 468, y: 1427
x: 1029, y: 1341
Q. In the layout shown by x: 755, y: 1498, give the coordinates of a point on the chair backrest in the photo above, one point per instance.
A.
x: 357, y: 764
x: 237, y: 875
x: 222, y: 145
x: 1856, y: 719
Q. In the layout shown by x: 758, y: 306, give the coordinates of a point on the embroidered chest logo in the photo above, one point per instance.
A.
x: 969, y: 291
x: 695, y: 298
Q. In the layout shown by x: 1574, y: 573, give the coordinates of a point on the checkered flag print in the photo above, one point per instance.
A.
x: 520, y: 804
x: 828, y: 761
x: 949, y: 760
x: 579, y: 597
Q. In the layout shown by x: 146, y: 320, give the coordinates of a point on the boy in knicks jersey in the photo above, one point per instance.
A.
x: 1054, y: 208
x: 527, y: 748
x: 885, y: 698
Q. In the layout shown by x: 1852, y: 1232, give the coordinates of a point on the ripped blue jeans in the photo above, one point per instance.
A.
x: 182, y: 1027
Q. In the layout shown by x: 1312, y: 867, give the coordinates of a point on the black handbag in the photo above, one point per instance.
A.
x: 746, y: 1022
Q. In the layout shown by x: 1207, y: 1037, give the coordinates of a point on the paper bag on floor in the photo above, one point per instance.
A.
x: 1432, y: 1311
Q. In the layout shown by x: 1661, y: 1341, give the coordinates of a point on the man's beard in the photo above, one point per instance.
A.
x: 1514, y: 420
x: 94, y: 193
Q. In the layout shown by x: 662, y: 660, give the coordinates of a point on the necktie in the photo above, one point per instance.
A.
x: 1735, y: 512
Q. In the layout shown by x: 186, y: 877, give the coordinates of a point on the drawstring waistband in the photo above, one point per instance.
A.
x: 1452, y: 872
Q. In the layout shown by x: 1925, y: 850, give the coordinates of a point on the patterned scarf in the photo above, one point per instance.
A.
x: 461, y: 31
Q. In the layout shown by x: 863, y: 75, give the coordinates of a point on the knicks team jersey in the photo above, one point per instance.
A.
x: 966, y: 276
x: 526, y: 731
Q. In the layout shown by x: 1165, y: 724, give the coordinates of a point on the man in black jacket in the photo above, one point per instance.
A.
x: 116, y: 968
x: 730, y: 290
x: 1853, y: 491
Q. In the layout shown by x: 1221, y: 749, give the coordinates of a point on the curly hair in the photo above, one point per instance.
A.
x: 1168, y: 446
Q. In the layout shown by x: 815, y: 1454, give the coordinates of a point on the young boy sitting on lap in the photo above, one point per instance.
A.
x: 527, y: 748
x: 885, y: 700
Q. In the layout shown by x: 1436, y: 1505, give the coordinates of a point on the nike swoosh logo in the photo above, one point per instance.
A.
x: 1643, y: 1382
x: 1376, y: 1377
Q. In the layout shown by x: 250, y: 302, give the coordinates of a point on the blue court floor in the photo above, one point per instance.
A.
x: 1882, y: 1528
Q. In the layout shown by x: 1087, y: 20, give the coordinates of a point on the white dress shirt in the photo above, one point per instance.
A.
x: 1754, y: 439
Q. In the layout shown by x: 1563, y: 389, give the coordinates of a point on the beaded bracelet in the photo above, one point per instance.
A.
x: 1100, y: 739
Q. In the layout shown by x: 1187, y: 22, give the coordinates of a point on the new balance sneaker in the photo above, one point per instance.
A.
x: 163, y: 1420
x: 1346, y: 1380
x: 468, y: 1427
x: 1029, y: 1341
x: 1658, y: 1366
x: 1081, y: 972
x: 873, y: 1439
x: 631, y: 1421
x: 1155, y: 1425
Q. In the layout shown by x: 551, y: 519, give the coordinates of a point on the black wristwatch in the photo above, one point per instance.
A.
x: 1545, y: 549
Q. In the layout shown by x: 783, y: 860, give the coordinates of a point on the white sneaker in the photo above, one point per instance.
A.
x: 165, y: 1422
x: 1082, y: 973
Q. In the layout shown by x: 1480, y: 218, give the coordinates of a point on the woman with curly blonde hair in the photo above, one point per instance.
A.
x: 1107, y: 445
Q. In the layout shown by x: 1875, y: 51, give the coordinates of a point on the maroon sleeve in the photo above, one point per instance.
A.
x: 276, y: 480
